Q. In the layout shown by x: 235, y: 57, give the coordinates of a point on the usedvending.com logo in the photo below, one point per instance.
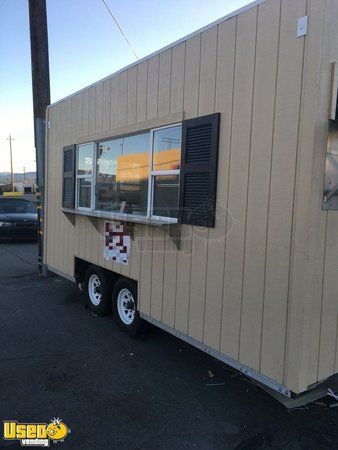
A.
x: 36, y: 434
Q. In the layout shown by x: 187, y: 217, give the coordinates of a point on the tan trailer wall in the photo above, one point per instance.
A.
x: 237, y: 287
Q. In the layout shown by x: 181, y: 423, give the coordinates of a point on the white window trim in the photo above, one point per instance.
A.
x: 152, y: 174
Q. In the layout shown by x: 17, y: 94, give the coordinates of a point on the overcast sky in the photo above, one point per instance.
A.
x: 84, y: 46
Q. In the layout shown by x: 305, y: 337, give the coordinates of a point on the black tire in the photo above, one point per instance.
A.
x: 103, y: 306
x: 134, y: 327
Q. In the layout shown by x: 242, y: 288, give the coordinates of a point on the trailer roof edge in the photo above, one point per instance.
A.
x: 173, y: 44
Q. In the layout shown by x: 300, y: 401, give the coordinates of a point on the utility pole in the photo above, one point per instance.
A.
x: 41, y: 99
x: 10, y: 139
x: 24, y: 173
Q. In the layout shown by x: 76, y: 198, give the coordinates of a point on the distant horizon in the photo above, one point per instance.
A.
x: 19, y: 177
x: 18, y: 173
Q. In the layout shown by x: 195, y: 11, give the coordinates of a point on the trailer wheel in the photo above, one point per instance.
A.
x: 97, y: 290
x: 125, y: 306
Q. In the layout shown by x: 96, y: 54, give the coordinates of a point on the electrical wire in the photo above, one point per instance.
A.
x: 118, y: 26
x: 24, y: 131
x: 18, y: 133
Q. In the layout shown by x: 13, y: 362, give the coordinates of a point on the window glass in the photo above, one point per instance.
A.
x: 84, y: 190
x: 85, y: 159
x: 123, y: 171
x: 122, y: 174
x: 166, y: 192
x: 167, y: 148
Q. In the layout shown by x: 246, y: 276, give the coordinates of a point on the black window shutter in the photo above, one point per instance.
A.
x: 199, y: 170
x: 68, y: 185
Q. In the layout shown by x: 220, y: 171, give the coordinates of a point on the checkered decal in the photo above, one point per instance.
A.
x: 117, y: 243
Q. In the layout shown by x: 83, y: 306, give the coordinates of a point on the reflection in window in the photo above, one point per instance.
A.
x: 166, y: 192
x: 167, y: 148
x: 84, y: 171
x: 85, y: 159
x: 125, y: 168
x: 84, y: 188
x: 122, y: 174
x: 165, y: 171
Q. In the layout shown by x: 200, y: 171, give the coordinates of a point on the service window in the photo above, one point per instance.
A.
x: 148, y: 174
x: 136, y: 174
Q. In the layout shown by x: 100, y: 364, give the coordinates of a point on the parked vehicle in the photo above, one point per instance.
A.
x: 187, y: 190
x: 18, y: 218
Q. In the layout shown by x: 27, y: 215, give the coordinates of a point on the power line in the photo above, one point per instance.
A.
x: 19, y: 133
x: 117, y: 24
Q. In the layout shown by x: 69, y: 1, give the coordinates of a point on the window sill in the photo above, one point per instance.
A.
x: 121, y: 217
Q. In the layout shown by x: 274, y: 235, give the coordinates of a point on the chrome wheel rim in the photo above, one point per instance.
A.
x: 95, y: 289
x: 126, y: 306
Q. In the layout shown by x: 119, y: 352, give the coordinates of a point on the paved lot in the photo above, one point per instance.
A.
x: 115, y: 392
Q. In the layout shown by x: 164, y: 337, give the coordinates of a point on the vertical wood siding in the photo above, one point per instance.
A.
x: 237, y: 180
x: 263, y: 106
x: 253, y: 287
x: 284, y: 156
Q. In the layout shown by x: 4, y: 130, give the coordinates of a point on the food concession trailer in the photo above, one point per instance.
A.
x: 197, y: 189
